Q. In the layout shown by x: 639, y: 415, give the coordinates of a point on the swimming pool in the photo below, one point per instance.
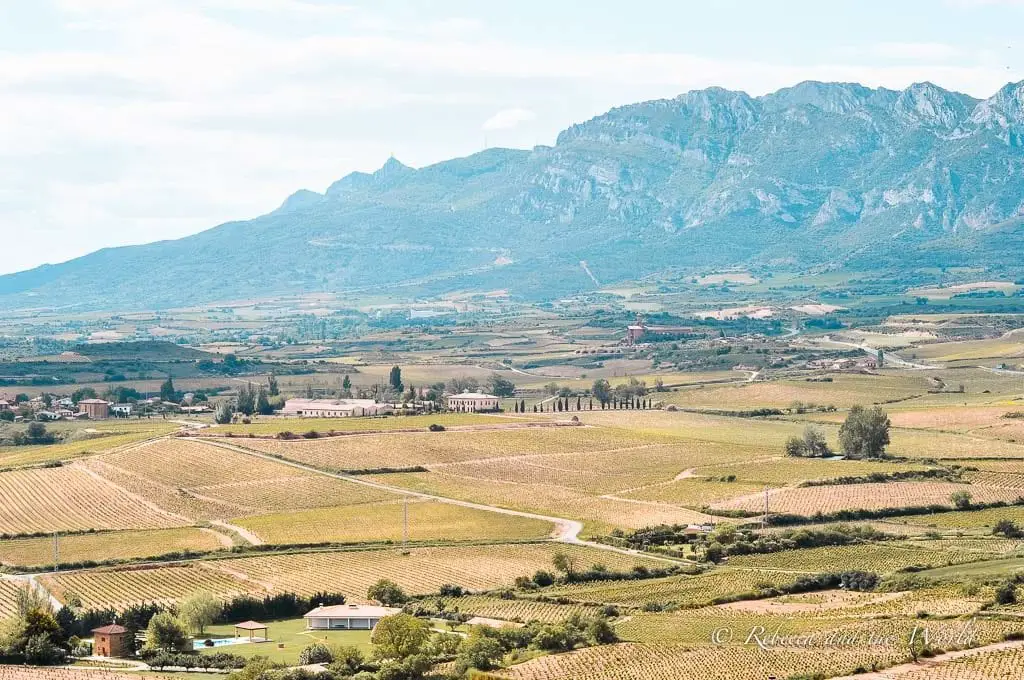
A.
x: 222, y: 642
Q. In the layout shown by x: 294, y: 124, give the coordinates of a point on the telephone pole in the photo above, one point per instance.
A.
x: 56, y: 552
x: 405, y: 522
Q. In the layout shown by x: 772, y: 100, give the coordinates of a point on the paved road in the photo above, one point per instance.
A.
x: 890, y: 360
x: 565, y: 531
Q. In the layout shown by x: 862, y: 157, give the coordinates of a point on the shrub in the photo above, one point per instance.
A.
x: 315, y: 653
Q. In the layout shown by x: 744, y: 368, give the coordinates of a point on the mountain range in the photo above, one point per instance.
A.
x: 814, y: 176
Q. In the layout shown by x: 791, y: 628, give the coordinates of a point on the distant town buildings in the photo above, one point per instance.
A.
x: 472, y: 402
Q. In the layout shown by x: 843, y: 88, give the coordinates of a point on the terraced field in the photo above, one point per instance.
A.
x: 421, y: 571
x: 119, y: 588
x: 75, y: 548
x: 693, y: 492
x: 428, y: 521
x: 70, y: 499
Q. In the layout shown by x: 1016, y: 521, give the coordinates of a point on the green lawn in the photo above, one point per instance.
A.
x: 293, y: 635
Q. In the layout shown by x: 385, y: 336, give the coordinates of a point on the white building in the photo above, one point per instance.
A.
x: 333, y: 408
x: 472, y: 402
x: 347, y: 617
x: 121, y: 410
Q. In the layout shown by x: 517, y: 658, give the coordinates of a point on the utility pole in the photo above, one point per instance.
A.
x: 764, y: 520
x: 405, y: 523
x: 56, y: 552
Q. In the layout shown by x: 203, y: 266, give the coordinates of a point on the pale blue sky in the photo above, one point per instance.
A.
x: 126, y: 121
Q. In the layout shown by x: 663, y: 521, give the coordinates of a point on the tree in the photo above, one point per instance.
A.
x: 1007, y: 528
x: 961, y: 500
x: 246, y: 400
x: 462, y: 384
x: 399, y: 636
x: 602, y: 391
x: 222, y: 415
x: 165, y: 633
x: 1006, y: 593
x: 263, y: 406
x: 501, y: 387
x: 815, y: 443
x: 346, y: 385
x: 795, y: 447
x: 480, y: 652
x: 347, y: 659
x: 395, y: 379
x: 80, y: 394
x: 35, y: 433
x: 865, y: 433
x: 199, y: 611
x: 564, y: 563
x: 272, y: 387
x: 387, y: 592
x: 167, y: 392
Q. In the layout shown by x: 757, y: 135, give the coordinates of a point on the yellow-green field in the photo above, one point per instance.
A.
x: 97, y: 437
x: 427, y: 521
x: 274, y: 425
x: 75, y: 548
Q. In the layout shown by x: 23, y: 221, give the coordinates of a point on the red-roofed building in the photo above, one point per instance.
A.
x: 113, y: 640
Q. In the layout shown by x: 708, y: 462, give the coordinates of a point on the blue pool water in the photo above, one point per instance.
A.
x: 220, y: 642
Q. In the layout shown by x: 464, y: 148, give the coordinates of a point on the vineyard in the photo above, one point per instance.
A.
x: 428, y: 448
x: 675, y: 662
x: 211, y: 482
x: 8, y: 597
x: 683, y: 591
x: 975, y: 519
x: 70, y: 499
x: 1001, y: 664
x: 521, y: 610
x: 428, y: 521
x: 881, y: 558
x: 36, y: 673
x: 298, y: 426
x: 791, y: 471
x: 119, y: 588
x: 807, y: 501
x: 602, y: 513
x: 105, y: 437
x: 32, y: 552
x: 421, y: 571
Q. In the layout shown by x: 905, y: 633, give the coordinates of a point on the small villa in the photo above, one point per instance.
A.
x: 472, y: 402
x: 347, y: 617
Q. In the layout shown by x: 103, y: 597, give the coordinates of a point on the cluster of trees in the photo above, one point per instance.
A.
x: 864, y: 434
x: 33, y: 635
x: 726, y: 540
x: 567, y: 570
x: 261, y: 400
x: 34, y: 433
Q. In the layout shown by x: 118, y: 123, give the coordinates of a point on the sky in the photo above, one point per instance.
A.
x: 130, y: 121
